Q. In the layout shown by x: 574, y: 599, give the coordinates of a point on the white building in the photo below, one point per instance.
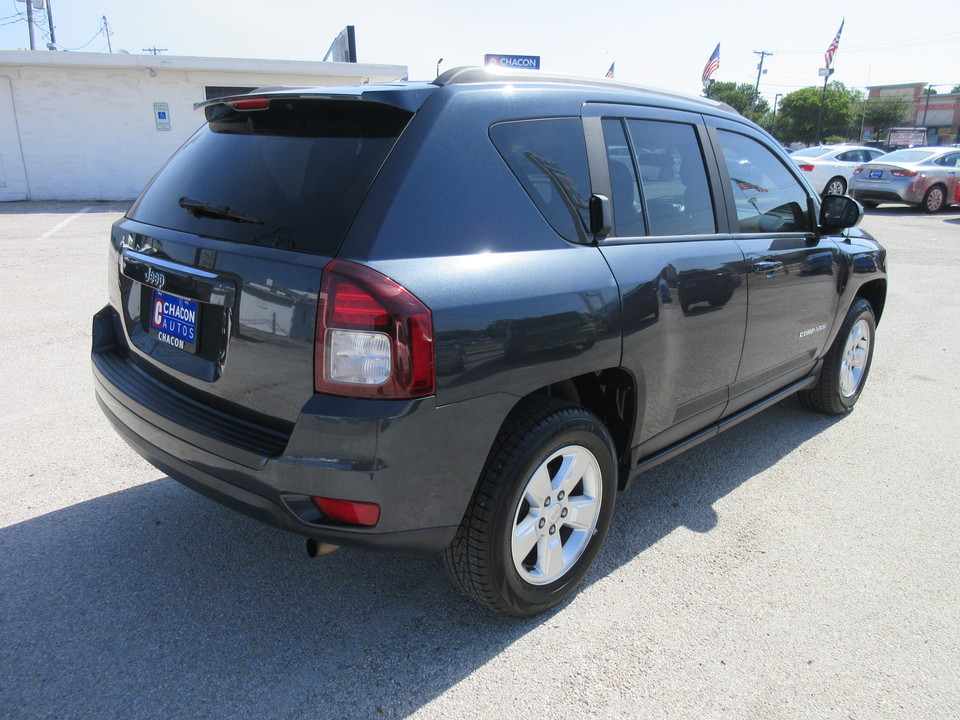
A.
x: 94, y: 126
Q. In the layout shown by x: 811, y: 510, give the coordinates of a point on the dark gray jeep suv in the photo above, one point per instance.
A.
x: 461, y: 316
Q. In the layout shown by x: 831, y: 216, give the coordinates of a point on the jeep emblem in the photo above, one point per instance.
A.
x: 155, y: 278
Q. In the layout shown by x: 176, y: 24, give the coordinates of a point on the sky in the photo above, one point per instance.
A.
x: 663, y: 45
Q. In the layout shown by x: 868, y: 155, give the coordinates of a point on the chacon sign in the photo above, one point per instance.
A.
x: 524, y: 62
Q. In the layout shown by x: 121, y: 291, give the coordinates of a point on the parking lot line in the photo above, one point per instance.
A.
x: 63, y: 223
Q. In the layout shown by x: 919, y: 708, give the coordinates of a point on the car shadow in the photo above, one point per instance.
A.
x: 155, y: 602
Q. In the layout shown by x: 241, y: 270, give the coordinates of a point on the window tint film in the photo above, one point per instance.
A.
x: 767, y: 196
x: 625, y: 188
x: 549, y: 158
x: 292, y: 176
x: 674, y: 181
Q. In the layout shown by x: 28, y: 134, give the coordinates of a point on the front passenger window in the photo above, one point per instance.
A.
x: 768, y: 198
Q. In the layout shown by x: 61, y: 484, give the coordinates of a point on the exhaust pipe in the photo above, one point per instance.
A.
x: 316, y: 548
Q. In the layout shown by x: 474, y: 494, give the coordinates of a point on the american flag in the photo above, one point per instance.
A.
x: 832, y: 50
x: 610, y: 71
x: 713, y: 64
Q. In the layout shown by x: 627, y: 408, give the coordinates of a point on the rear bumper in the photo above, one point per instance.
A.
x: 886, y: 194
x: 417, y: 461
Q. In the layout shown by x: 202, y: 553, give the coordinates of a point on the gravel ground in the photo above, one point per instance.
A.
x: 795, y: 567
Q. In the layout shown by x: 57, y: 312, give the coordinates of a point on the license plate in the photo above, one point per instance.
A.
x: 175, y: 321
x: 876, y: 174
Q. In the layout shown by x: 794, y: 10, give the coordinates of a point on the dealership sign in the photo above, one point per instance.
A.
x: 525, y: 62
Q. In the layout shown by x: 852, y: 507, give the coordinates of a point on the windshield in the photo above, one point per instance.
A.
x: 289, y: 177
x: 906, y: 156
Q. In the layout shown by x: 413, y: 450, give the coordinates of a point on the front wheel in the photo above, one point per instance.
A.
x: 540, y: 512
x: 934, y: 200
x: 846, y: 365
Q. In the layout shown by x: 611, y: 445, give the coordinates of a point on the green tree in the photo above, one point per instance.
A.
x: 886, y: 112
x: 739, y: 97
x: 797, y: 118
x: 956, y: 89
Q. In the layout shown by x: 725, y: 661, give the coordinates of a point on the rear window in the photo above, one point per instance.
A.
x: 290, y: 177
x: 907, y: 156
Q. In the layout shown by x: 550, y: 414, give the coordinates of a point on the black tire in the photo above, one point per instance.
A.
x: 846, y: 365
x: 835, y: 186
x: 934, y: 200
x: 869, y: 204
x: 480, y: 560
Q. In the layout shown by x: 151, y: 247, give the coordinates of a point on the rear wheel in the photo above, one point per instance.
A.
x: 846, y: 365
x: 934, y: 200
x: 541, y: 510
x: 836, y: 186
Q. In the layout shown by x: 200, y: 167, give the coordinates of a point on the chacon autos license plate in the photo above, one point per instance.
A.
x: 175, y: 321
x: 876, y: 174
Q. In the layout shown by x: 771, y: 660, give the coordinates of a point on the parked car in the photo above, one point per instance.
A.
x: 925, y: 176
x: 293, y: 294
x: 829, y: 167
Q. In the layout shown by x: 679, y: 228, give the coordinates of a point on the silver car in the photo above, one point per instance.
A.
x: 924, y: 176
x: 829, y: 167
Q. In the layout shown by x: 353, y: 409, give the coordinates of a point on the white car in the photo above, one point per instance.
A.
x: 829, y: 167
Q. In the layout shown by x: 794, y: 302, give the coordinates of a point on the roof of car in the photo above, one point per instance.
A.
x: 411, y: 95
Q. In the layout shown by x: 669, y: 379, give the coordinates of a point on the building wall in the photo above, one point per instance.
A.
x: 82, y: 129
x: 939, y: 113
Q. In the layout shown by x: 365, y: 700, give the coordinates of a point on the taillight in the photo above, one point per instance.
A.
x: 858, y: 171
x: 903, y: 173
x: 807, y: 168
x: 374, y: 338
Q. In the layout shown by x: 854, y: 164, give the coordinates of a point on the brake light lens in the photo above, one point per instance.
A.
x: 903, y: 173
x: 807, y: 167
x: 256, y: 103
x: 374, y: 337
x: 349, y: 511
x: 858, y: 171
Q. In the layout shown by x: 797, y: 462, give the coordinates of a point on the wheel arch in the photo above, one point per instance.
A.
x: 874, y: 292
x: 613, y: 396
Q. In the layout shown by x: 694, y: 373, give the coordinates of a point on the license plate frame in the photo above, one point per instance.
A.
x: 876, y: 174
x: 174, y: 321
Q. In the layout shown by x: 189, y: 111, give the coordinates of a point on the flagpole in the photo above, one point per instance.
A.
x: 823, y: 102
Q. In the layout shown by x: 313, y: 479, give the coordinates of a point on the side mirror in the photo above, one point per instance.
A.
x: 600, y: 216
x: 839, y: 211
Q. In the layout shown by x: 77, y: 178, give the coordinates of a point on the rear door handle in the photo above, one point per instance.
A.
x: 767, y: 267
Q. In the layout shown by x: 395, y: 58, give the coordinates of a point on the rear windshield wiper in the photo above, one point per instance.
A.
x: 198, y: 208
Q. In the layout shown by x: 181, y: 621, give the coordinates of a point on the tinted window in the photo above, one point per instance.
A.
x: 549, y: 158
x: 675, y: 188
x: 627, y: 204
x: 849, y: 156
x: 767, y: 196
x: 292, y: 176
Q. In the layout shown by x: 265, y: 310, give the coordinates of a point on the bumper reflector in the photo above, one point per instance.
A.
x: 349, y: 511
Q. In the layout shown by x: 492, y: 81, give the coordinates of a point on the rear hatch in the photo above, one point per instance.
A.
x: 217, y: 265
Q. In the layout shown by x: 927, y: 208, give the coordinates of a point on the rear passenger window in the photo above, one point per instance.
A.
x: 673, y: 195
x: 549, y: 158
x: 767, y: 196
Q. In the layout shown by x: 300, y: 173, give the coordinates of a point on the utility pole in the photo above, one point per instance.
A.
x: 106, y: 31
x: 154, y: 50
x: 30, y: 22
x: 756, y: 90
x: 53, y: 36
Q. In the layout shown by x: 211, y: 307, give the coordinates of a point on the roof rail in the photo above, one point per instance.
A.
x: 467, y: 75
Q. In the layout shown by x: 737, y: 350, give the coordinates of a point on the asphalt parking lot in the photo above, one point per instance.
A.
x: 795, y: 567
